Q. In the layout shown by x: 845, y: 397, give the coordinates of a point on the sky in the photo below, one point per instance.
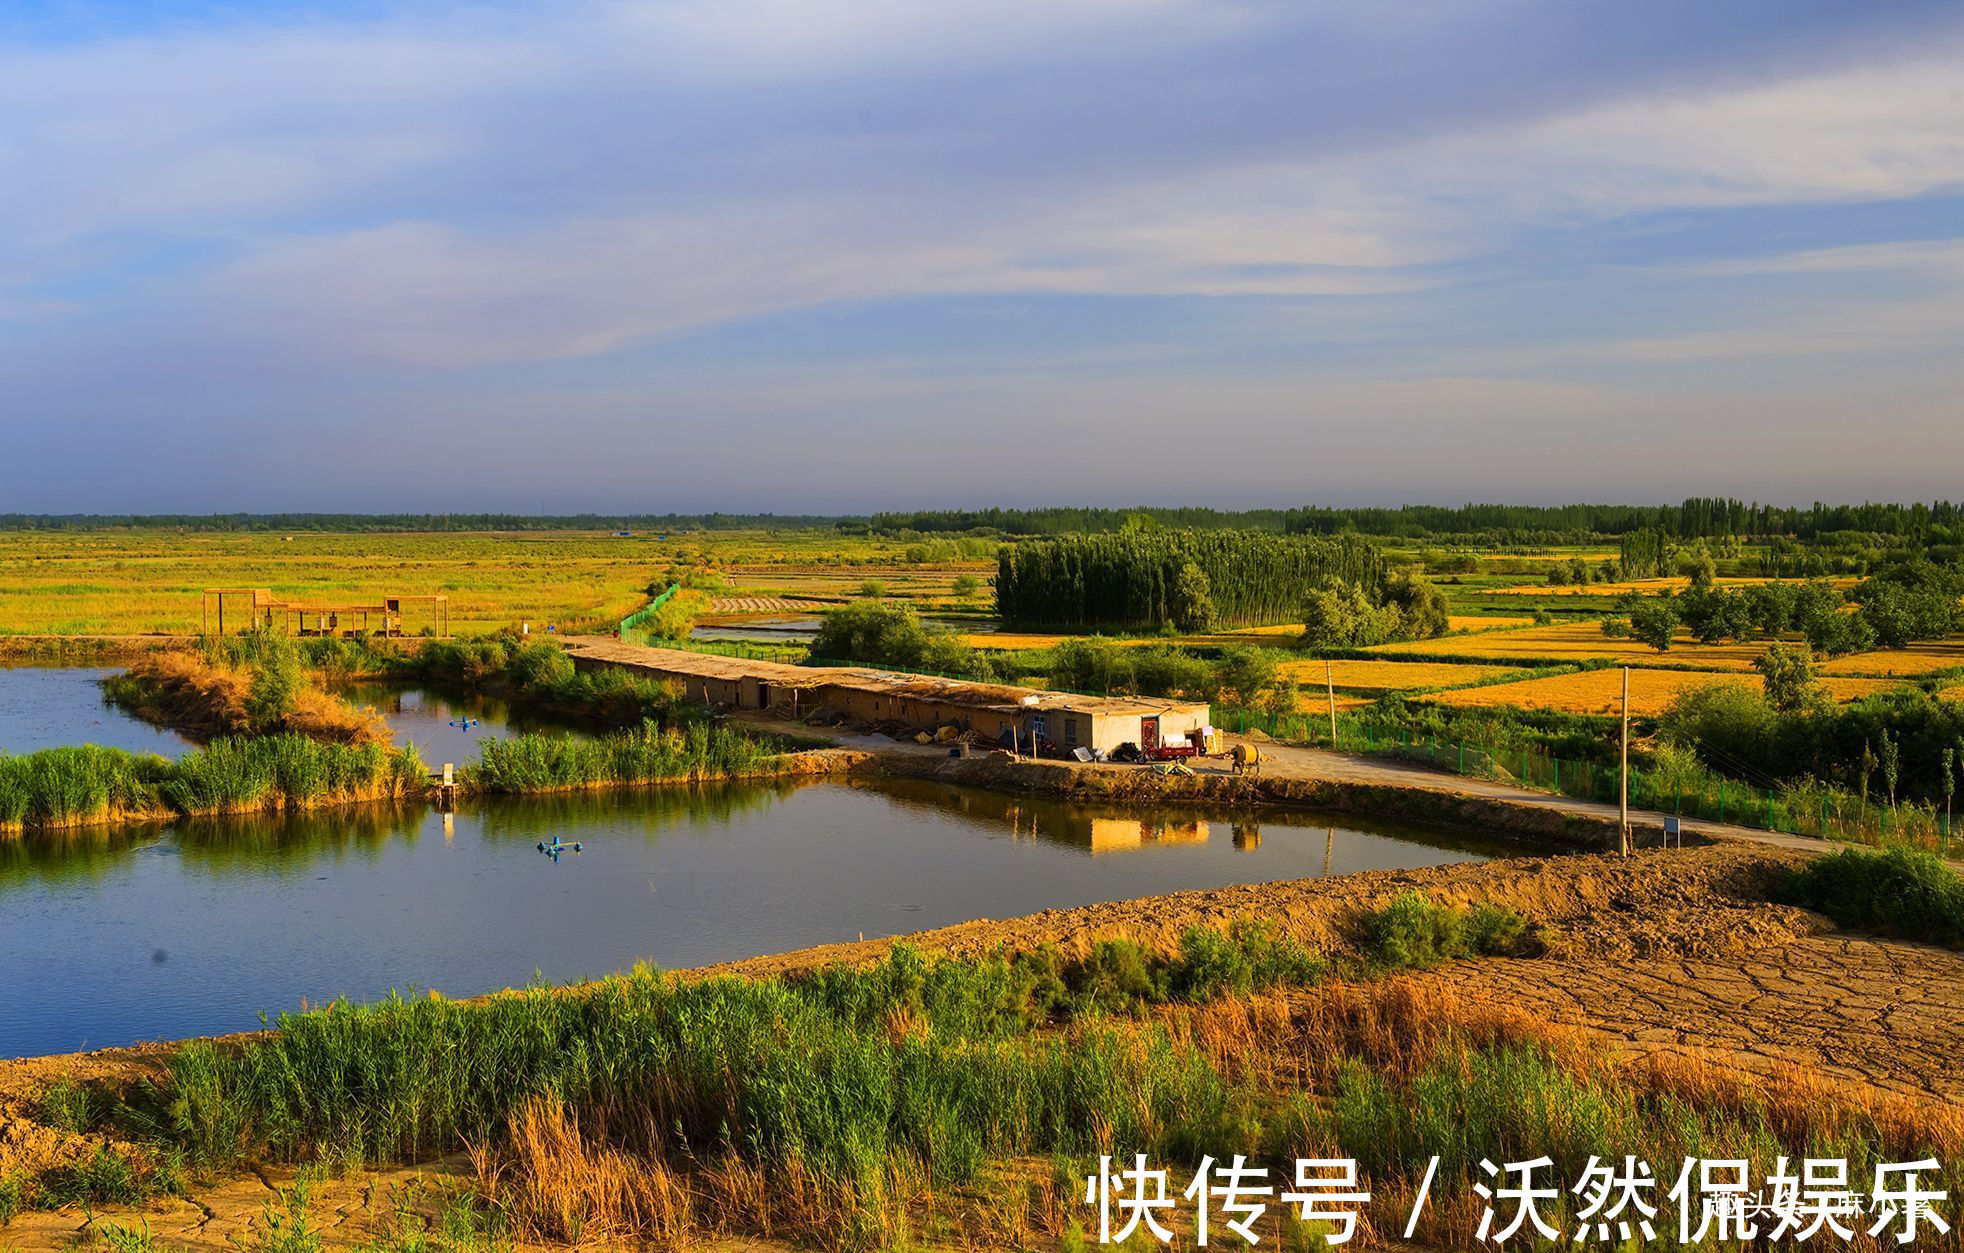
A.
x: 850, y: 255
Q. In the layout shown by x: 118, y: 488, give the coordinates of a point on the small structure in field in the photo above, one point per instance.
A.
x: 393, y: 616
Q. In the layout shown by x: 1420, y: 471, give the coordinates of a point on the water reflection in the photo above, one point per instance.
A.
x: 196, y: 926
x: 55, y: 706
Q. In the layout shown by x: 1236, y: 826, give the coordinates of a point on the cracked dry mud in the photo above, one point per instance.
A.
x: 1677, y: 952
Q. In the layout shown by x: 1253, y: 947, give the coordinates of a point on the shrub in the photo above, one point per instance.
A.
x: 1897, y: 891
x: 1413, y: 932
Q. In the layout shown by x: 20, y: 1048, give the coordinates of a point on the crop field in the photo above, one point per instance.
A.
x: 1581, y: 641
x: 1472, y: 623
x: 1647, y: 587
x: 139, y: 582
x: 1921, y: 658
x: 1361, y: 675
x: 149, y: 581
x: 1601, y: 691
x: 925, y: 586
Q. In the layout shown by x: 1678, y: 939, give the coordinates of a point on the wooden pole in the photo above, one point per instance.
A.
x: 1330, y: 689
x: 1623, y: 789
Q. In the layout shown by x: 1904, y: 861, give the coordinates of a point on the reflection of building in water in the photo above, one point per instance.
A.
x: 1247, y: 835
x: 1117, y: 835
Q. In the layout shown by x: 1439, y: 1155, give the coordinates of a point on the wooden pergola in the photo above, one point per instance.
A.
x: 390, y: 617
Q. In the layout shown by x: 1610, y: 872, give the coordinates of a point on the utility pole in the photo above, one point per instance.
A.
x: 1330, y: 689
x: 1623, y: 789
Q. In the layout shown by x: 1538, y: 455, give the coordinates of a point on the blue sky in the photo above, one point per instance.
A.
x: 863, y: 254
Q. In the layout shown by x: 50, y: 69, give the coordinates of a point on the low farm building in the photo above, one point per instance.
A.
x: 993, y: 710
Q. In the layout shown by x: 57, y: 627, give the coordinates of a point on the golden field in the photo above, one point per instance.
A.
x: 1921, y: 658
x: 1601, y: 691
x: 1647, y: 587
x: 1455, y: 622
x: 141, y: 582
x: 1389, y: 676
x: 1581, y: 641
x: 148, y: 581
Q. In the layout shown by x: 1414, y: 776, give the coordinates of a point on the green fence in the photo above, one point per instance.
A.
x: 634, y: 627
x: 1795, y: 812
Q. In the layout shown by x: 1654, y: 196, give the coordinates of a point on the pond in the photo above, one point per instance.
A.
x: 194, y: 927
x: 49, y: 707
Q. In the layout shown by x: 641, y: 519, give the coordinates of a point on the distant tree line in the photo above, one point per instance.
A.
x: 1883, y: 524
x: 1185, y: 580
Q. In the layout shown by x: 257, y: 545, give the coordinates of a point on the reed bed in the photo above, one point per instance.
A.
x: 651, y: 753
x: 840, y: 1106
x: 82, y: 786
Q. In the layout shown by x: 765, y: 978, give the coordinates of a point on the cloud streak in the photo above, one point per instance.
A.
x: 296, y: 215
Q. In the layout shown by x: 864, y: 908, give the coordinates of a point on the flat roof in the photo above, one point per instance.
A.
x: 995, y: 697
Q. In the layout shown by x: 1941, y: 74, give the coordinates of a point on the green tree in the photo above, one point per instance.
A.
x: 1339, y: 616
x: 1193, y: 602
x: 1421, y: 606
x: 1789, y: 675
x: 966, y: 585
x: 1655, y: 622
x: 1701, y: 568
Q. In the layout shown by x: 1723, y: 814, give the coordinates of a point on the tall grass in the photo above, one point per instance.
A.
x: 647, y: 754
x: 941, y: 1057
x: 1897, y: 891
x: 66, y: 786
x: 63, y: 787
x: 824, y: 1106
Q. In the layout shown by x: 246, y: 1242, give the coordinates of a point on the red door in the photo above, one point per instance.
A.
x: 1148, y: 734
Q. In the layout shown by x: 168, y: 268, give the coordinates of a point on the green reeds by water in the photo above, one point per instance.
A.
x: 59, y: 786
x: 650, y: 753
x: 62, y: 787
x: 941, y: 1060
x: 932, y: 1070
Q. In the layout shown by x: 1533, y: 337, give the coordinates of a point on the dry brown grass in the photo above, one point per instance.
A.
x: 188, y: 693
x: 558, y: 1182
x: 562, y: 1179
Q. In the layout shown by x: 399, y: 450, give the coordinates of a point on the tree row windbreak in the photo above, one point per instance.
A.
x: 1145, y: 581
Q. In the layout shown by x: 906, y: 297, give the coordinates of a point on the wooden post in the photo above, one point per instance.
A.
x: 1623, y: 790
x: 1330, y: 689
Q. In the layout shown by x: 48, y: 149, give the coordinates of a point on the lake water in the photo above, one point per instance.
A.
x: 48, y: 707
x: 194, y: 927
